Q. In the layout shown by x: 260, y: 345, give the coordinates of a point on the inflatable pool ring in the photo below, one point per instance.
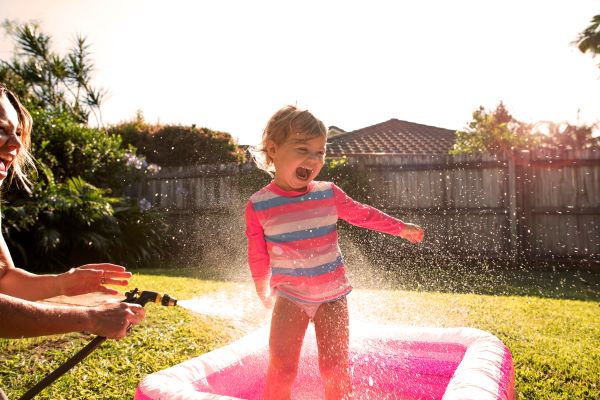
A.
x: 387, y: 362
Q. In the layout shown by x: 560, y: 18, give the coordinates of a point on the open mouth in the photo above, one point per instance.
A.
x: 303, y: 173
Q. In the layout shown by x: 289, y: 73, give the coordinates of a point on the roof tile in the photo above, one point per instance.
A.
x: 393, y: 137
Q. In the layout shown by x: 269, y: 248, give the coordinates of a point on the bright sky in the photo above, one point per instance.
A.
x: 228, y: 65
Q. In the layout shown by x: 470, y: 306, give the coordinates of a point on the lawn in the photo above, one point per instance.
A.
x: 549, y: 320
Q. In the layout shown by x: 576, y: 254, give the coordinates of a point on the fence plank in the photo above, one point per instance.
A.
x: 538, y: 205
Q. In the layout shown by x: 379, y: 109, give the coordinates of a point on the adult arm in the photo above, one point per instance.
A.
x: 85, y: 279
x: 23, y: 318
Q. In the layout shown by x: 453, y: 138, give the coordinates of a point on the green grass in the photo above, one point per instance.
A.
x: 549, y: 321
x: 167, y: 336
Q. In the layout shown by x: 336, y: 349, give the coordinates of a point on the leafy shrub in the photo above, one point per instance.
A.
x: 72, y: 217
x: 73, y: 222
x: 351, y: 178
x: 71, y: 149
x: 76, y: 212
x: 174, y: 145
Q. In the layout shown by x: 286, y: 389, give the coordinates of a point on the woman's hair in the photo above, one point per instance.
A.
x: 287, y: 120
x: 24, y: 158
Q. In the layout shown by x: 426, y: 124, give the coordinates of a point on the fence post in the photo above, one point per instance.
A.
x: 526, y: 199
x: 512, y: 207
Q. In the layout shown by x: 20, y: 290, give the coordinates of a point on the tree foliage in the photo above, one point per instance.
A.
x: 565, y: 136
x: 588, y: 41
x: 174, y: 145
x: 75, y: 213
x: 71, y: 149
x: 351, y: 178
x: 43, y: 77
x: 492, y: 132
x: 497, y: 132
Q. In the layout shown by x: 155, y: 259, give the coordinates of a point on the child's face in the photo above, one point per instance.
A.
x: 297, y: 161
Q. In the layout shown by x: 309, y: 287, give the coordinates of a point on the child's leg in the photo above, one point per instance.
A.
x: 332, y: 331
x: 288, y: 325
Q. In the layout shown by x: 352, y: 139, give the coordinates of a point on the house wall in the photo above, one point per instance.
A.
x: 523, y: 206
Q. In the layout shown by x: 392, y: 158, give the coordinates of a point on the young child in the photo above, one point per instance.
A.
x: 294, y: 255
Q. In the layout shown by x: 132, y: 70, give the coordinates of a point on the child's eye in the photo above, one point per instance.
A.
x: 302, y: 150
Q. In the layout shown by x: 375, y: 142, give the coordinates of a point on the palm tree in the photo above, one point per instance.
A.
x: 589, y: 39
x: 49, y: 79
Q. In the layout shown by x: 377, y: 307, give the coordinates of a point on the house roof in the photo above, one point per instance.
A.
x: 392, y: 137
x: 336, y: 128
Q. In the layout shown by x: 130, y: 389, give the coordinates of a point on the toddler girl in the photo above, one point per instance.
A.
x: 293, y: 253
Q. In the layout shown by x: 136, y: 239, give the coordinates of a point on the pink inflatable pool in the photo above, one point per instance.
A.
x: 388, y: 362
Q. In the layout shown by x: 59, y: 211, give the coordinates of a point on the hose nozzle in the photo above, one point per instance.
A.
x: 136, y: 297
x: 167, y: 300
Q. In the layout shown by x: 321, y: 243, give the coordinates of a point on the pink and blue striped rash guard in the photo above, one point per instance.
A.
x: 292, y: 237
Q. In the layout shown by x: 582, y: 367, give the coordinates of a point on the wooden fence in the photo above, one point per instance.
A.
x: 521, y: 206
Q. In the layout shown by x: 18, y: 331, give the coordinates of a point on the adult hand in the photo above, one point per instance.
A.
x: 413, y: 233
x: 93, y: 278
x: 112, y: 320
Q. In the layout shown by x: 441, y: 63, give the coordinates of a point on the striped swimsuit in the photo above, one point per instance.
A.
x: 292, y: 237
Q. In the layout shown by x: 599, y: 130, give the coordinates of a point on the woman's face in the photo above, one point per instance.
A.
x: 10, y: 133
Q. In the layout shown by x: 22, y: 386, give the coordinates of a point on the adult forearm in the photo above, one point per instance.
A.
x: 25, y: 285
x: 23, y: 318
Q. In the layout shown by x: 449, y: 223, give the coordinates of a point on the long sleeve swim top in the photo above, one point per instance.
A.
x: 292, y: 237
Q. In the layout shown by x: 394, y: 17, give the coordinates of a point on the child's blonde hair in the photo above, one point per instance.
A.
x: 24, y: 159
x: 287, y: 120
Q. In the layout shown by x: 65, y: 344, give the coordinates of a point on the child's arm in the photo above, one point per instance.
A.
x: 365, y: 216
x: 258, y: 257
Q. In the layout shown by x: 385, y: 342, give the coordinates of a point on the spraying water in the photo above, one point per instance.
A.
x: 237, y: 303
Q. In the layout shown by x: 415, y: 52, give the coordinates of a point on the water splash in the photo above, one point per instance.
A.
x: 238, y: 303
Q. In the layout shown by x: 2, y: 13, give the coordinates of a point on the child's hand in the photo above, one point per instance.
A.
x: 264, y: 292
x: 413, y: 233
x: 267, y: 299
